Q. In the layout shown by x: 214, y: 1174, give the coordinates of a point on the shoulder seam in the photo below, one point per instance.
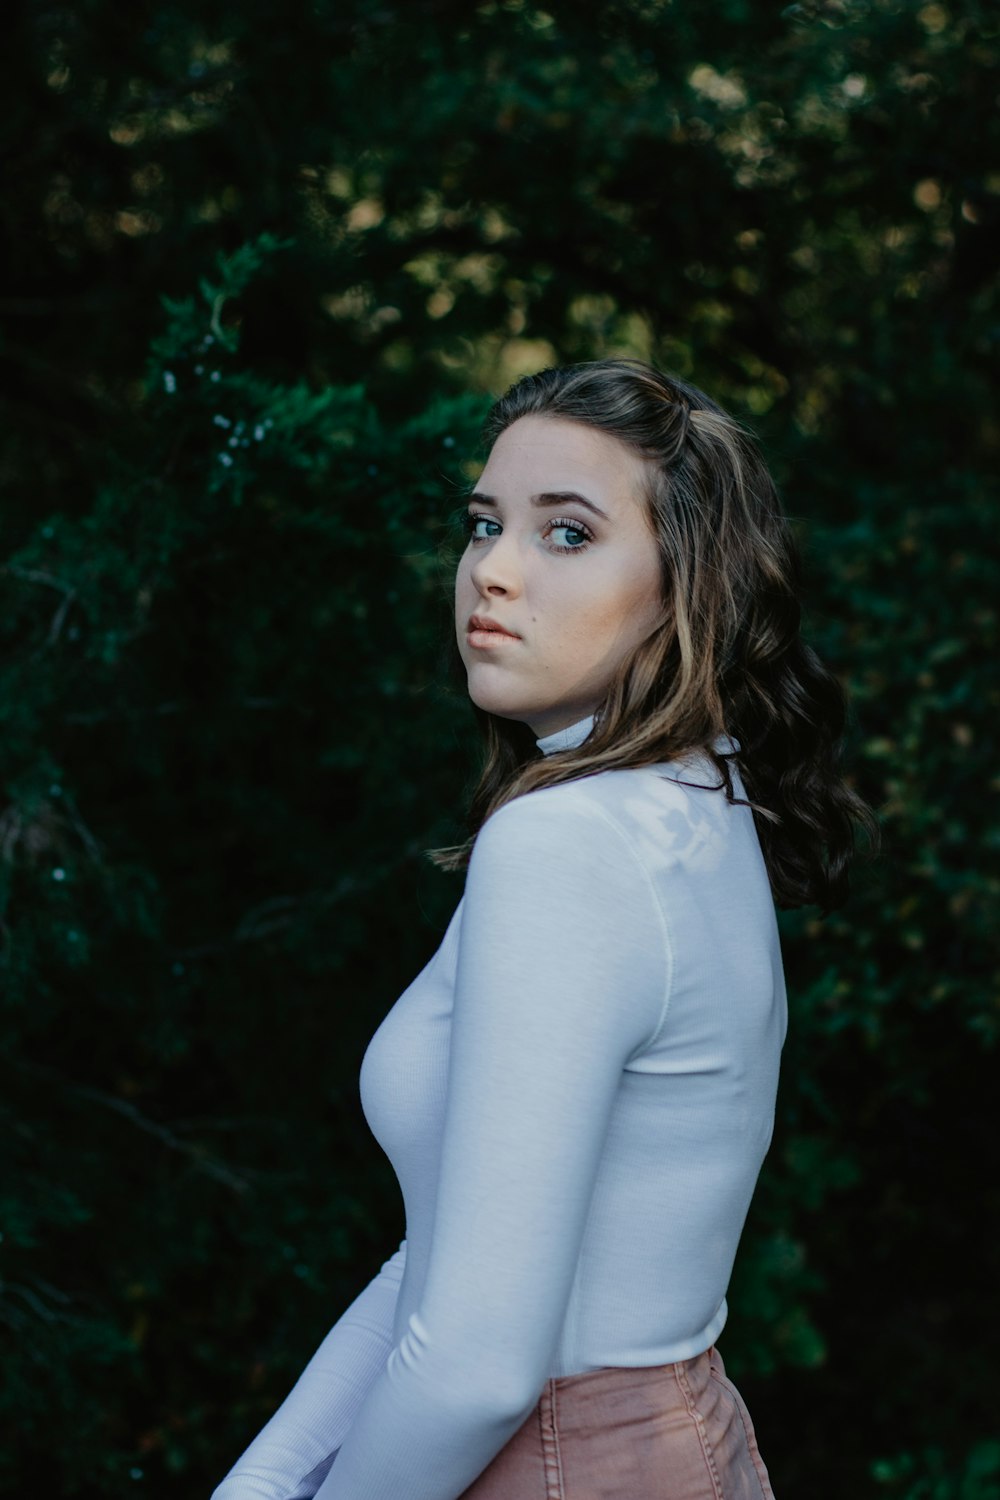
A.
x: 592, y: 804
x: 668, y: 945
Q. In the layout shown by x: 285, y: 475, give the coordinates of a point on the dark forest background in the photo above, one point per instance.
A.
x: 264, y: 266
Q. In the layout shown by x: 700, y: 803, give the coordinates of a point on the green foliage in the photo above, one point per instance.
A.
x: 130, y: 952
x: 932, y: 1475
x: 265, y: 269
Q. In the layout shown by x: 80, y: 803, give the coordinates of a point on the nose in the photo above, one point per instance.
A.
x: 497, y: 569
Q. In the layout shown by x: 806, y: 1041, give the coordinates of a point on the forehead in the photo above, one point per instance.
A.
x: 550, y: 453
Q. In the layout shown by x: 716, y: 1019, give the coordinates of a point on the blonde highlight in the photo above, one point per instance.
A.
x: 729, y: 658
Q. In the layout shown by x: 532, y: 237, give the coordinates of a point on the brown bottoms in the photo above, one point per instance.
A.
x: 662, y: 1432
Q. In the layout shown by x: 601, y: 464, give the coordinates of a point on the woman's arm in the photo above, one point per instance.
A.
x: 562, y: 978
x: 291, y: 1456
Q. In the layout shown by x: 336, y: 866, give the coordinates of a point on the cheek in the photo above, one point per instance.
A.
x: 648, y: 603
x: 622, y: 597
x: 642, y: 587
x: 462, y: 580
x: 583, y: 626
x: 620, y: 617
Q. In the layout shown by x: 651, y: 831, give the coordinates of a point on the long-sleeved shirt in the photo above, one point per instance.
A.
x: 576, y: 1094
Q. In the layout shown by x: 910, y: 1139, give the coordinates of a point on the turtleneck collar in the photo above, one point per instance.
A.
x: 566, y: 739
x: 575, y: 734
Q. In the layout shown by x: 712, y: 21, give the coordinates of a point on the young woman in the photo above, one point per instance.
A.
x: 578, y: 1091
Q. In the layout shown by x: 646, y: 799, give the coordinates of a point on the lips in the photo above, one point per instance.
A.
x: 484, y: 622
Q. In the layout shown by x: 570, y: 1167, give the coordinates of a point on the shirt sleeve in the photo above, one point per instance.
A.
x: 293, y: 1453
x: 562, y: 977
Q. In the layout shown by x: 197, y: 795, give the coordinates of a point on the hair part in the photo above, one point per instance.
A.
x: 729, y: 657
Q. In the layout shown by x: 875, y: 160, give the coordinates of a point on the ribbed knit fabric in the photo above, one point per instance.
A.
x: 576, y: 1094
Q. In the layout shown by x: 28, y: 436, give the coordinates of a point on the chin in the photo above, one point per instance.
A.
x: 501, y: 705
x: 501, y: 709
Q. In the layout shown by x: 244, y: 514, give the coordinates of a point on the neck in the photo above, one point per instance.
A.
x: 568, y: 738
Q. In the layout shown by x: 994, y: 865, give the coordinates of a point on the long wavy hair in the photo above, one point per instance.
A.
x: 729, y: 658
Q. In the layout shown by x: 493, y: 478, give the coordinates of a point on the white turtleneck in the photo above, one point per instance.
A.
x: 576, y: 1094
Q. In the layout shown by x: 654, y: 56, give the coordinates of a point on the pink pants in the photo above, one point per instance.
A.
x: 662, y: 1432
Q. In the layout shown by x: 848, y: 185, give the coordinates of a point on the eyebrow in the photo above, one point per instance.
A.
x: 548, y: 497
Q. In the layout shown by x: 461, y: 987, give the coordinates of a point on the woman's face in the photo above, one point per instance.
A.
x: 561, y: 555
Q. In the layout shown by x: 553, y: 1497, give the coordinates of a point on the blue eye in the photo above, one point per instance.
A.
x: 575, y: 530
x: 470, y: 522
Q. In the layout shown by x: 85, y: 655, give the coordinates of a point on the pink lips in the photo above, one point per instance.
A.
x: 484, y: 631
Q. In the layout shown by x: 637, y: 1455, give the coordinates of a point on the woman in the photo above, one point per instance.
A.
x: 578, y: 1091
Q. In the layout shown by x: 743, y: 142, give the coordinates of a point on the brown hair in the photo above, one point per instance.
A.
x: 729, y: 659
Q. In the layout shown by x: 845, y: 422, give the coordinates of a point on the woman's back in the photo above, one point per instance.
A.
x: 578, y: 1090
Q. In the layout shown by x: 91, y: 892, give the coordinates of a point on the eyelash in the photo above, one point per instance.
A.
x: 470, y: 519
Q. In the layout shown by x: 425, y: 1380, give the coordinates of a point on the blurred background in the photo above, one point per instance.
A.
x: 265, y: 265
